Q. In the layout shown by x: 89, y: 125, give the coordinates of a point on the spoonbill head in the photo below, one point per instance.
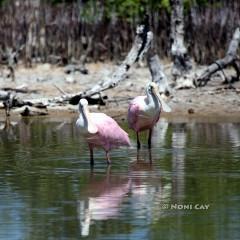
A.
x: 100, y: 130
x: 144, y: 111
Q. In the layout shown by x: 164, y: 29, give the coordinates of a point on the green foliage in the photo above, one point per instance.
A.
x: 129, y: 9
x: 165, y: 4
x: 89, y: 11
x: 2, y: 1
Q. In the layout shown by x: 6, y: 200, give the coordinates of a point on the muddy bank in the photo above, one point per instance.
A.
x: 44, y: 81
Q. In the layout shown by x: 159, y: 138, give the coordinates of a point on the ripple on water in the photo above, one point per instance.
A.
x: 48, y: 189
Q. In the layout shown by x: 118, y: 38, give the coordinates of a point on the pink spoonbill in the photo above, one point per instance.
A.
x: 100, y: 130
x: 144, y: 111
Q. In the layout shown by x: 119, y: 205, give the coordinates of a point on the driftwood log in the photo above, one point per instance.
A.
x: 231, y: 59
x: 18, y: 90
x: 94, y: 94
x: 140, y: 46
x: 4, y: 95
x: 27, y: 111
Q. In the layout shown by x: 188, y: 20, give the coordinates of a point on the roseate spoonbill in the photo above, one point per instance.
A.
x: 144, y: 111
x: 100, y: 130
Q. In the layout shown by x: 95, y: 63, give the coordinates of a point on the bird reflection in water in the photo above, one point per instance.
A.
x: 142, y: 191
x: 106, y: 205
x: 148, y: 190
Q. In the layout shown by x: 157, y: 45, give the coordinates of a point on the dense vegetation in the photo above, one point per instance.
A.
x: 65, y: 28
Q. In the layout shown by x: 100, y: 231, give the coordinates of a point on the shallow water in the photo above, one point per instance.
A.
x: 191, y: 190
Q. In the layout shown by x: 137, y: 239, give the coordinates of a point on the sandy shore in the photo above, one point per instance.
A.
x: 213, y: 101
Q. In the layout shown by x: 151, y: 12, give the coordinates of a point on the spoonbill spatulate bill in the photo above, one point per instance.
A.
x: 144, y: 111
x: 100, y: 130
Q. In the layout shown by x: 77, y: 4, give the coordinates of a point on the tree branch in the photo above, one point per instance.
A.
x: 230, y: 59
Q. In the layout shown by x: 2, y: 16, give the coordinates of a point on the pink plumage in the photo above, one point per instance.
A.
x: 137, y: 119
x: 100, y: 130
x: 144, y: 111
x: 109, y: 135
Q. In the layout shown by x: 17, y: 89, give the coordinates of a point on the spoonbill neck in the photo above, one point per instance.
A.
x: 153, y: 99
x: 84, y: 112
x: 86, y: 118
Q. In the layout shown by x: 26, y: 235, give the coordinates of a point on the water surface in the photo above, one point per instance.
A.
x: 190, y: 189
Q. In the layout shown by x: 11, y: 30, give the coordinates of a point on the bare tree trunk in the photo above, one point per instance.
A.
x: 11, y: 57
x: 28, y: 57
x: 231, y: 59
x: 31, y: 42
x: 181, y: 61
x: 42, y: 32
x: 12, y: 60
x: 158, y: 75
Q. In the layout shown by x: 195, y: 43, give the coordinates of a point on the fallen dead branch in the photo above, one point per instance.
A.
x: 27, y: 111
x: 94, y: 94
x: 140, y: 46
x: 19, y: 90
x: 231, y: 59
